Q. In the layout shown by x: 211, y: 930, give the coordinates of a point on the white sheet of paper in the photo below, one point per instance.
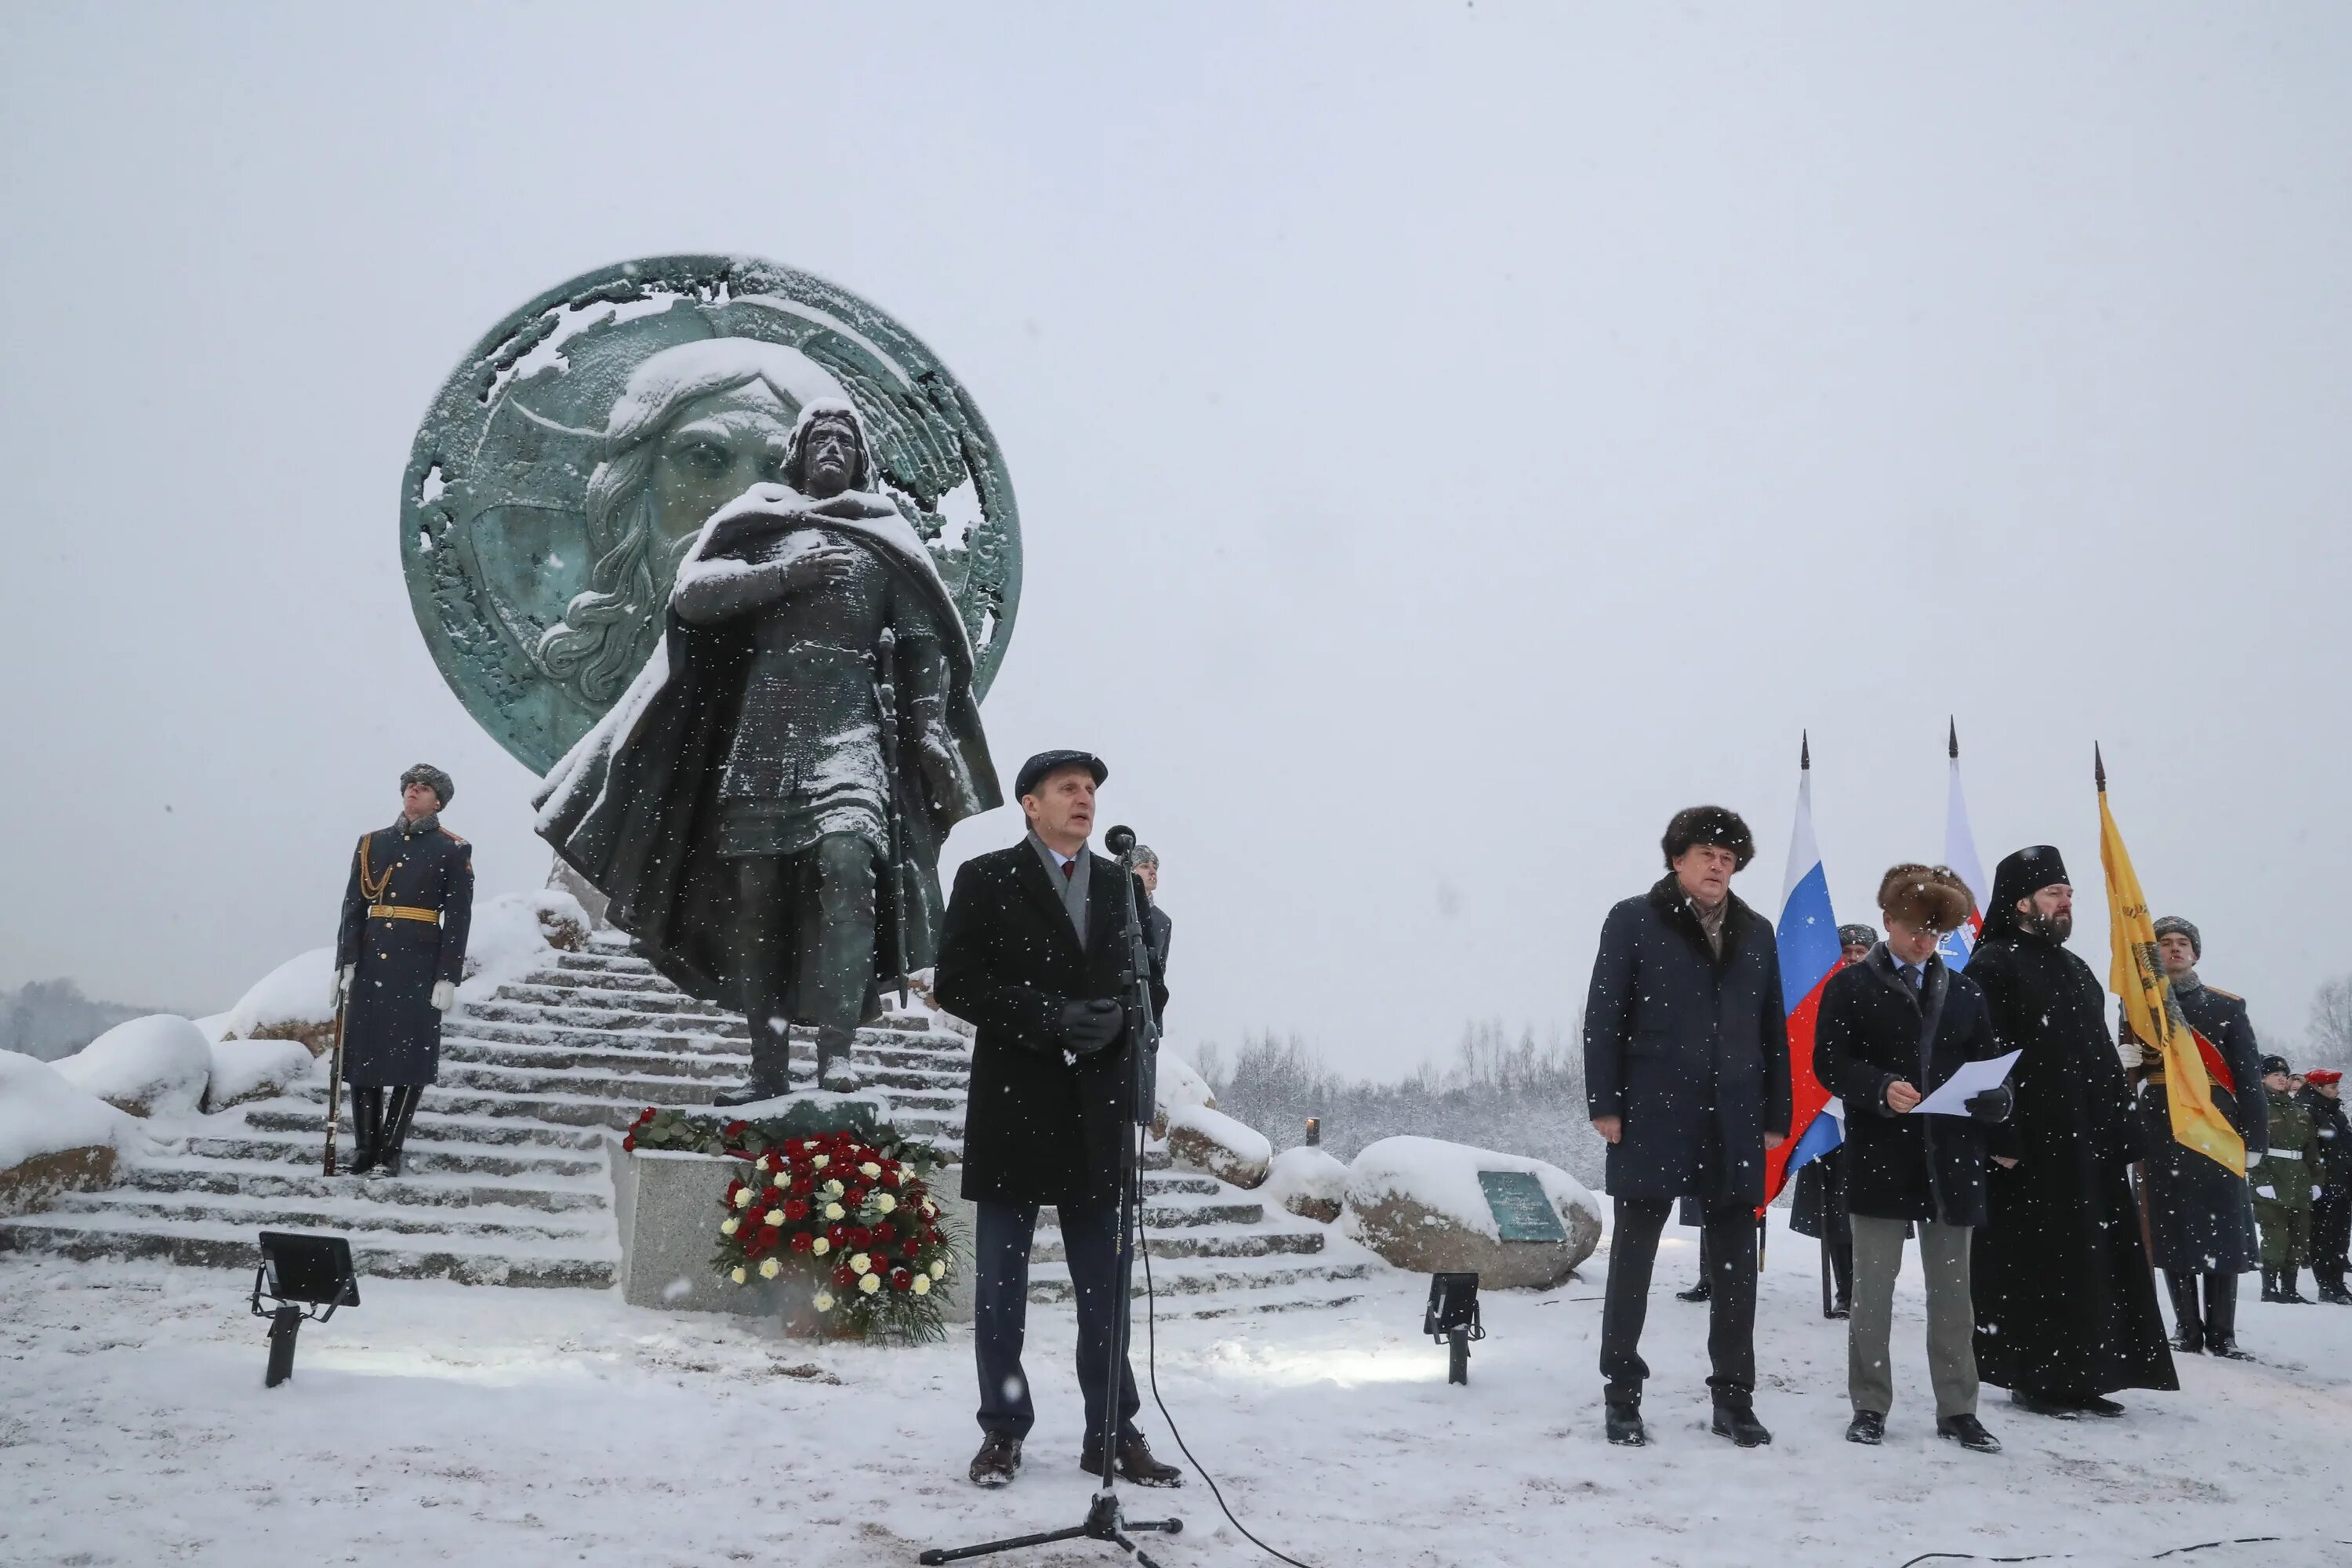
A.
x: 1972, y: 1080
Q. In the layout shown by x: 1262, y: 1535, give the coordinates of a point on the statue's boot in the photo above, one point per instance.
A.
x: 2187, y: 1328
x: 835, y: 1069
x: 2222, y: 1316
x: 771, y: 1068
x: 367, y: 1128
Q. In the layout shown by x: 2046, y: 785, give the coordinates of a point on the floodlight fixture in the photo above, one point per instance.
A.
x: 1452, y: 1320
x: 300, y: 1273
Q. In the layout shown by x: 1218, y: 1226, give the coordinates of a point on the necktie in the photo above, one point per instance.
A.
x: 1070, y: 868
x: 1911, y: 976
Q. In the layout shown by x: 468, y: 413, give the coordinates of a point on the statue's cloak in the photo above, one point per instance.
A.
x: 634, y: 807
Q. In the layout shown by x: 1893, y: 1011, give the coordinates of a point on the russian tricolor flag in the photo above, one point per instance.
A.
x: 1960, y: 855
x: 1810, y: 951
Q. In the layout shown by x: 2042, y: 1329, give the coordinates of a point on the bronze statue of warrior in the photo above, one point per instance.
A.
x: 736, y: 804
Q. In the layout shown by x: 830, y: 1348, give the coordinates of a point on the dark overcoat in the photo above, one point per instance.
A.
x: 1690, y: 1049
x: 1873, y: 1030
x: 391, y: 1033
x: 2066, y: 1303
x: 2200, y: 1215
x: 1040, y: 1127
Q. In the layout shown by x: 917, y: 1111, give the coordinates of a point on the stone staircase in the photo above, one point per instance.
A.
x: 506, y: 1179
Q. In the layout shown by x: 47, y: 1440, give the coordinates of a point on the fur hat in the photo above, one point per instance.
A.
x: 432, y: 778
x: 1930, y: 896
x: 1708, y: 825
x: 2171, y: 923
x: 1850, y: 936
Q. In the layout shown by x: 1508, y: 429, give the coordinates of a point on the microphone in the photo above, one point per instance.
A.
x: 1119, y: 840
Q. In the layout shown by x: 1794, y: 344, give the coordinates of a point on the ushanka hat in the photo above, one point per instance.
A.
x: 1708, y: 825
x: 432, y: 778
x: 2171, y: 923
x: 1850, y: 935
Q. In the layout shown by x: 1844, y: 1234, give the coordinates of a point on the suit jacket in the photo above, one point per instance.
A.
x: 1039, y: 1127
x: 1872, y: 1030
x: 1690, y: 1049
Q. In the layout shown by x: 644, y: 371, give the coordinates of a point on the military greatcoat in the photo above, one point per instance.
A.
x: 406, y: 910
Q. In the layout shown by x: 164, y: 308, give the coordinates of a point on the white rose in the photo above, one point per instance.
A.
x: 885, y: 1201
x: 870, y: 1169
x: 775, y: 1216
x: 770, y: 1269
x: 922, y: 1285
x: 859, y: 1263
x: 811, y: 1143
x: 871, y: 1283
x: 940, y: 1269
x: 736, y: 1274
x: 743, y: 1199
x: 835, y: 1188
x: 821, y: 1162
x: 930, y: 1209
x: 824, y: 1303
x: 834, y: 1211
x: 727, y: 1227
x: 820, y: 1247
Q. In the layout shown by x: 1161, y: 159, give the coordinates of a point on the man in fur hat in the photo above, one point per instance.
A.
x: 2066, y: 1303
x: 1686, y: 1075
x: 400, y: 951
x: 1892, y: 1029
x: 2200, y: 1226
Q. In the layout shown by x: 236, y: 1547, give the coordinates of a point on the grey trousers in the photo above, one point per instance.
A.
x: 1951, y: 1318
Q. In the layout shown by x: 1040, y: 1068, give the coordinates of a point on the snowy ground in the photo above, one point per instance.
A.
x: 438, y: 1423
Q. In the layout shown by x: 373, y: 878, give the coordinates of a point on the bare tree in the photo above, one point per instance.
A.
x: 2331, y: 1025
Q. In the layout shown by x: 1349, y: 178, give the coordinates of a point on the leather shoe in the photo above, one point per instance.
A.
x: 1969, y: 1433
x: 1698, y: 1292
x: 2035, y: 1404
x: 1739, y: 1423
x: 998, y: 1461
x: 1868, y: 1427
x: 1136, y: 1464
x: 2095, y: 1406
x: 1624, y: 1424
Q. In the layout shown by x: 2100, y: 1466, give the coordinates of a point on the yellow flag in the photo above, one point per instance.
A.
x: 2136, y: 976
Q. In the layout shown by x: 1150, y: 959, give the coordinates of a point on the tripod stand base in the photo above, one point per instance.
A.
x: 1104, y: 1523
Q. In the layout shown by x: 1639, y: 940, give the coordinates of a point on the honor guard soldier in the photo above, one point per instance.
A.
x: 399, y: 955
x: 2286, y: 1181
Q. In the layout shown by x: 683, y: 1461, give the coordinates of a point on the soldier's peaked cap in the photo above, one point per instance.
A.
x: 1034, y: 771
x: 432, y: 778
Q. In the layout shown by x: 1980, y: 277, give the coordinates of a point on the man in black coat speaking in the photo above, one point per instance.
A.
x: 1686, y: 1075
x: 1032, y: 952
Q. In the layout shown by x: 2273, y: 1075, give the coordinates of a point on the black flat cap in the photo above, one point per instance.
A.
x: 1034, y: 771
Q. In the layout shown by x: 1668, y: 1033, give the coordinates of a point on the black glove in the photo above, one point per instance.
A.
x: 1994, y: 1105
x: 1091, y: 1025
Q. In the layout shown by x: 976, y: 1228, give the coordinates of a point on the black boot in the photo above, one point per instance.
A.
x: 367, y: 1128
x: 2270, y: 1284
x: 1736, y: 1418
x: 397, y: 1116
x: 1623, y: 1419
x: 1698, y: 1292
x: 2187, y: 1330
x: 2221, y: 1317
x: 771, y: 1070
x: 2331, y: 1287
x: 2288, y: 1293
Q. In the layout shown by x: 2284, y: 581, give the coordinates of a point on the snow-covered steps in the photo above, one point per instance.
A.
x: 505, y: 1178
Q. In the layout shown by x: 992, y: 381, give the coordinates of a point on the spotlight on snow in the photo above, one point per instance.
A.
x: 1452, y: 1320
x: 299, y: 1272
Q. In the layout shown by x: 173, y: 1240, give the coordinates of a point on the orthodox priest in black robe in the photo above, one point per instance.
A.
x: 2066, y: 1303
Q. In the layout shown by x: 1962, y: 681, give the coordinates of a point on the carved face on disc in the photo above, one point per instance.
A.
x: 571, y: 458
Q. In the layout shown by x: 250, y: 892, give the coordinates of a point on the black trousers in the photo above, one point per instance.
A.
x: 2331, y: 1236
x: 1001, y: 1312
x: 1729, y: 1232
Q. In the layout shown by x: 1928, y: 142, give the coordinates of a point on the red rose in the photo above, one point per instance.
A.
x: 844, y: 1277
x: 629, y: 1142
x: 883, y: 1232
x: 735, y: 1129
x: 803, y: 1186
x: 853, y: 1198
x: 795, y: 1210
x: 643, y: 1117
x: 733, y: 1188
x: 836, y: 1234
x: 802, y: 1241
x: 860, y: 1238
x: 901, y: 1280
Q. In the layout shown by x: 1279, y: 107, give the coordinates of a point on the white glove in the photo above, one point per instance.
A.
x: 340, y: 985
x: 444, y: 992
x: 2263, y: 1192
x: 2252, y: 1158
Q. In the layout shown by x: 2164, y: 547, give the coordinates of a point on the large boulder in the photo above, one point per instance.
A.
x: 1179, y: 1084
x: 292, y: 1002
x: 1417, y: 1202
x: 1200, y: 1139
x: 1307, y: 1182
x: 156, y: 1066
x: 54, y: 1137
x: 255, y: 1069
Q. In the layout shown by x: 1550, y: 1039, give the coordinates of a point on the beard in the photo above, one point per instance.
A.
x: 2056, y: 928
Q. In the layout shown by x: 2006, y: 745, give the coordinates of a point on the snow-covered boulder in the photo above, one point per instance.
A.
x: 156, y: 1066
x: 1307, y: 1182
x: 1179, y: 1085
x: 54, y: 1137
x: 1200, y: 1139
x: 255, y: 1069
x: 292, y: 1002
x: 1418, y: 1203
x: 515, y: 933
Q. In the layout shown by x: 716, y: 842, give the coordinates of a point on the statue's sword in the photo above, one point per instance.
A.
x: 887, y: 695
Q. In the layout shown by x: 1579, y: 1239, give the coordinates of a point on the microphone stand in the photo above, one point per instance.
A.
x: 1105, y: 1520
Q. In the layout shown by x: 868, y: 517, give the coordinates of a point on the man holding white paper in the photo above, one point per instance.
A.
x: 1896, y: 1031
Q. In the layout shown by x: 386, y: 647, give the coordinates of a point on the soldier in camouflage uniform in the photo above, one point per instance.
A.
x: 2284, y: 1182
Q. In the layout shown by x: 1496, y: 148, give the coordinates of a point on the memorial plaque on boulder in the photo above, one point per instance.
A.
x: 1521, y: 1210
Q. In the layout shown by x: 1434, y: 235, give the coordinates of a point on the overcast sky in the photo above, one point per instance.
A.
x: 1448, y: 438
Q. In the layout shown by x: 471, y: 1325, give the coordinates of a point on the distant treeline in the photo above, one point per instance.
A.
x: 52, y: 1018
